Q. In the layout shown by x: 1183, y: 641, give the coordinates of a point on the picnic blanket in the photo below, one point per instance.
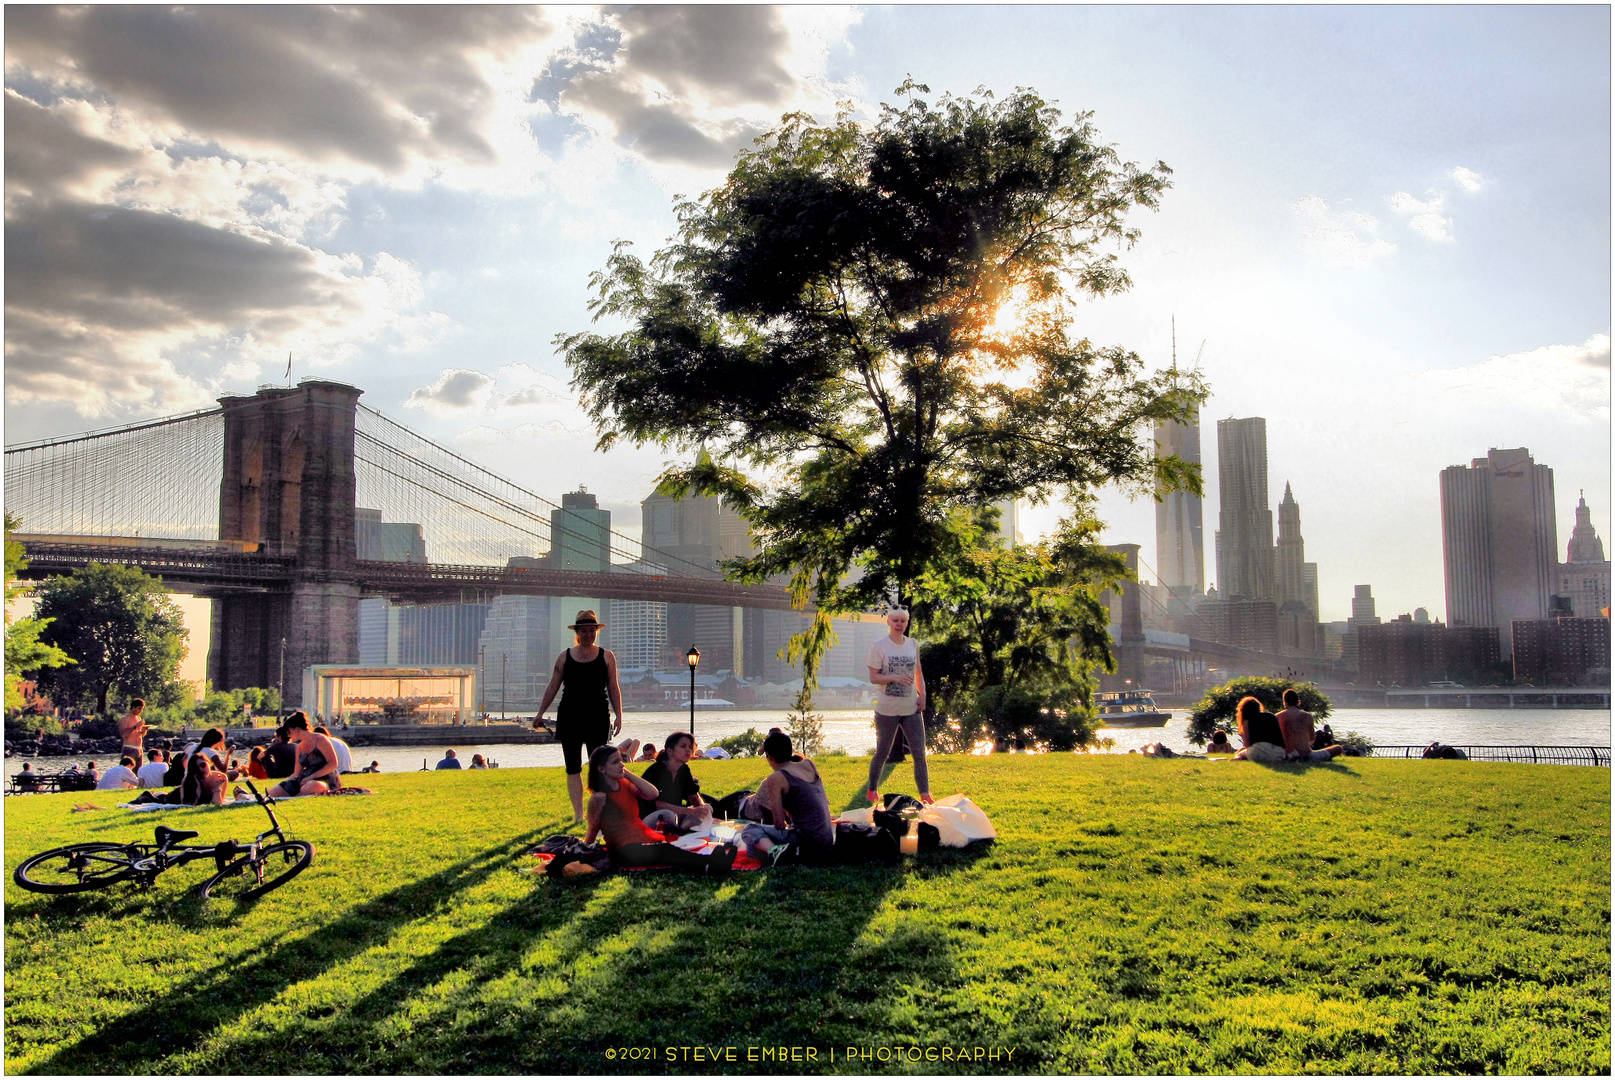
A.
x: 699, y: 842
x: 245, y: 800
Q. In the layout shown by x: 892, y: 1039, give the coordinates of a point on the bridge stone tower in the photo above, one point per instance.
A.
x: 288, y: 486
x: 1127, y: 615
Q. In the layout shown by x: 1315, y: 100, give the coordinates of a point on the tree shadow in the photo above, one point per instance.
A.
x: 213, y: 999
x: 647, y: 961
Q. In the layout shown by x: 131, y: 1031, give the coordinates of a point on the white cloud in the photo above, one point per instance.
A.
x: 1338, y: 239
x: 1569, y: 380
x: 1424, y: 217
x: 456, y: 389
x: 461, y: 389
x: 1468, y: 179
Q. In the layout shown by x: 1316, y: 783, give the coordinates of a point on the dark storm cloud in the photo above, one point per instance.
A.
x: 139, y: 270
x: 44, y: 152
x: 376, y: 85
x: 674, y: 66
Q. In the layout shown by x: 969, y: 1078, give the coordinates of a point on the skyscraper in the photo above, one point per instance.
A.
x: 1180, y: 555
x: 1291, y: 554
x: 580, y: 539
x: 1499, y: 541
x: 1244, y: 522
x: 1584, y: 575
x: 692, y: 536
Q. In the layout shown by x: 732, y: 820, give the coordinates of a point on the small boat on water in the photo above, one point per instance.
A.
x: 1130, y: 708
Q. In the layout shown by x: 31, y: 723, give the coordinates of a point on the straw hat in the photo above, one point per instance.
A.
x: 586, y: 620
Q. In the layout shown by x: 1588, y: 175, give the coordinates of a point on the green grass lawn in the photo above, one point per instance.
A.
x: 1134, y: 916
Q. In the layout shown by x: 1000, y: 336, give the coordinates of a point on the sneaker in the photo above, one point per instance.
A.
x: 723, y: 859
x: 780, y: 853
x: 873, y: 796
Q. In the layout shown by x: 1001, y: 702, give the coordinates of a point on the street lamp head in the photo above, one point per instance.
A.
x: 693, y: 657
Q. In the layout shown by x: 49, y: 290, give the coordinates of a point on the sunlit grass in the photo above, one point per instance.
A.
x: 1134, y: 916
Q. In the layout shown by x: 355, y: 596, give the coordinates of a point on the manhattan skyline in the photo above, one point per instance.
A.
x: 1389, y: 226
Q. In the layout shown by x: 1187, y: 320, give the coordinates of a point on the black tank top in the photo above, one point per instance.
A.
x: 583, y: 688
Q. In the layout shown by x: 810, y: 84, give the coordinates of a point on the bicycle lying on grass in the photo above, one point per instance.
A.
x: 244, y: 871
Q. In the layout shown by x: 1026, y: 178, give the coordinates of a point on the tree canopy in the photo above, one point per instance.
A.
x: 120, y: 625
x: 25, y: 652
x: 1014, y: 635
x: 869, y: 327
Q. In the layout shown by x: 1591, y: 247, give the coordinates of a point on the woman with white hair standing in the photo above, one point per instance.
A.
x: 894, y: 668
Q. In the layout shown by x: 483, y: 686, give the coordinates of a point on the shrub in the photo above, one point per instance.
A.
x: 748, y: 743
x: 1216, y: 710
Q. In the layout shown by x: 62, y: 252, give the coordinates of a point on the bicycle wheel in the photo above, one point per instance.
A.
x: 249, y: 877
x: 77, y: 868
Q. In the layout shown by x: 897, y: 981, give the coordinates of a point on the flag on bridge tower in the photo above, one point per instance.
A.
x: 288, y: 367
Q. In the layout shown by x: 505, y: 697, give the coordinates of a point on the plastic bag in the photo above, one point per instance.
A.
x: 948, y: 822
x: 972, y: 820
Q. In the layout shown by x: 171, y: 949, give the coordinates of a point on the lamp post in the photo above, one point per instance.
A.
x: 282, y: 717
x: 482, y: 680
x: 504, y: 677
x: 693, y: 658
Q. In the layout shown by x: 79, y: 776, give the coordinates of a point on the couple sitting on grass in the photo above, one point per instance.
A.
x: 1272, y: 739
x: 792, y: 798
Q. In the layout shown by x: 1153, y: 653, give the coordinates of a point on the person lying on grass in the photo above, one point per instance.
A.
x: 1297, y: 726
x: 613, y: 812
x: 794, y: 795
x: 1259, y: 730
x: 316, y: 772
x: 1219, y: 743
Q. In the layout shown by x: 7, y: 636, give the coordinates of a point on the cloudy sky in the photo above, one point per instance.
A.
x: 1389, y: 232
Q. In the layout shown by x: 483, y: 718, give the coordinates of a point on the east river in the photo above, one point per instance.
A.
x: 853, y: 731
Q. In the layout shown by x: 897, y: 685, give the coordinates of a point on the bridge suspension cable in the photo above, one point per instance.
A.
x: 471, y: 515
x: 157, y: 478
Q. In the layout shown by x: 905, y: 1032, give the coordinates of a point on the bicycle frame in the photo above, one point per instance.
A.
x: 166, y: 853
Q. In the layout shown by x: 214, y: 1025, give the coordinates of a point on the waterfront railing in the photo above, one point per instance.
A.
x: 1539, y: 755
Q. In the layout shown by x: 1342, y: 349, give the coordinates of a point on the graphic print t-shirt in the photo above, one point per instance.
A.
x: 895, y: 699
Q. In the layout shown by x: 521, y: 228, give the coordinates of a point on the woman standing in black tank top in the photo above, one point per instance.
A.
x: 589, y: 674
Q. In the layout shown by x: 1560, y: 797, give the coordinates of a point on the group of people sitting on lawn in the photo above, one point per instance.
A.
x: 788, y: 816
x: 1274, y: 738
x: 304, y: 761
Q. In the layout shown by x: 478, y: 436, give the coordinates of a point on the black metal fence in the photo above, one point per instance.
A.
x: 1539, y: 755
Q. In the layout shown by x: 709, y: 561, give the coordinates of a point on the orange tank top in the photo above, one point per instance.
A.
x: 619, y: 819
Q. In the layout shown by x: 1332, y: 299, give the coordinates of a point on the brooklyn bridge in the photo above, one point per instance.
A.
x: 256, y: 504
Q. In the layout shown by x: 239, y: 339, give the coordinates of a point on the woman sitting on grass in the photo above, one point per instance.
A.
x: 203, y: 784
x: 613, y: 812
x: 1260, y: 732
x: 316, y: 762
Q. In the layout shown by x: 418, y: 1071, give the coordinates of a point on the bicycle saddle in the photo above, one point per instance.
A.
x: 166, y: 836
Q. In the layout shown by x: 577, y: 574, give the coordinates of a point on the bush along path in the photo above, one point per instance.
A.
x: 1135, y: 915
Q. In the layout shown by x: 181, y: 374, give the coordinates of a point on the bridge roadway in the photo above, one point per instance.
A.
x: 217, y: 571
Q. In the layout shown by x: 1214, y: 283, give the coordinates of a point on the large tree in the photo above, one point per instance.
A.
x: 120, y: 625
x: 25, y: 652
x: 868, y: 326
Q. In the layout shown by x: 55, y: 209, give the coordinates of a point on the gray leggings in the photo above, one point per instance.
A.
x: 886, y: 733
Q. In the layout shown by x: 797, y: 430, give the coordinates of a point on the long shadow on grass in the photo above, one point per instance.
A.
x: 573, y: 971
x: 212, y: 1000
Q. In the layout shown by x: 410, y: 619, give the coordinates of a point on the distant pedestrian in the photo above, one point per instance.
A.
x: 478, y: 762
x: 894, y: 667
x: 450, y: 761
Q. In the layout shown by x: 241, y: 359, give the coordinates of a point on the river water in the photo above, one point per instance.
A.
x: 853, y: 731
